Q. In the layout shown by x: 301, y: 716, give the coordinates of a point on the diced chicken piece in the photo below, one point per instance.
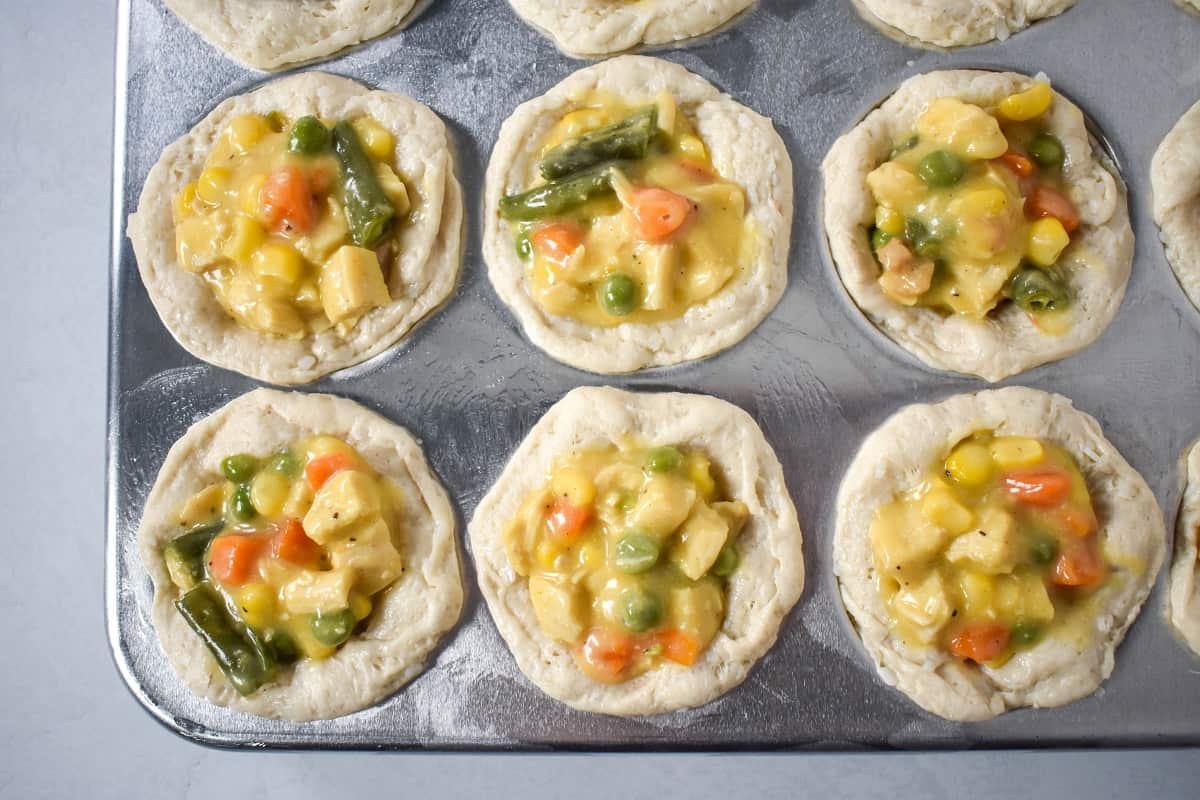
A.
x: 348, y: 497
x: 352, y: 283
x: 556, y: 605
x: 329, y: 234
x: 664, y: 503
x: 204, y: 506
x: 311, y: 591
x: 701, y: 538
x: 367, y: 550
x: 1024, y: 596
x: 990, y: 546
x: 965, y: 128
x: 895, y: 186
x: 299, y: 500
x: 902, y: 538
x: 923, y: 605
x: 662, y: 266
x: 904, y: 278
x: 941, y: 507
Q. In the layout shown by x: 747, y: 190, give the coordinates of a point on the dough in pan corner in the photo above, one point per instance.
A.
x: 1185, y: 569
x: 895, y: 457
x: 955, y: 23
x: 1175, y: 185
x: 593, y: 28
x: 761, y: 592
x: 1007, y: 342
x: 409, y: 618
x: 420, y: 278
x: 276, y: 34
x: 745, y: 149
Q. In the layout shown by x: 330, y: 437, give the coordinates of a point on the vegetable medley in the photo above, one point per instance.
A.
x: 997, y: 548
x: 972, y: 211
x: 290, y: 224
x: 627, y: 550
x: 630, y: 221
x: 282, y: 559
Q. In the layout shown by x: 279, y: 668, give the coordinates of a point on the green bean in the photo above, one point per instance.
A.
x: 618, y: 294
x: 664, y: 459
x: 1025, y: 633
x: 282, y: 646
x: 309, y: 137
x: 1036, y: 290
x: 641, y: 610
x: 524, y: 248
x: 941, y: 168
x: 727, y: 561
x: 629, y: 139
x: 1047, y: 151
x: 285, y: 463
x: 239, y: 653
x: 369, y: 213
x: 558, y: 196
x: 636, y: 552
x: 239, y: 468
x: 331, y: 628
x: 184, y: 554
x: 241, y: 505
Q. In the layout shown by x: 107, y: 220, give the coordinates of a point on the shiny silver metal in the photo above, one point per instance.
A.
x: 815, y: 374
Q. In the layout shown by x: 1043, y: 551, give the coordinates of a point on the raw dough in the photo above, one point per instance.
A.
x: 1175, y: 185
x: 1185, y: 570
x: 953, y: 23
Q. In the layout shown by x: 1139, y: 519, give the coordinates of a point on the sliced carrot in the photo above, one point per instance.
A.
x: 233, y: 558
x: 557, y: 240
x: 1044, y: 201
x: 287, y: 202
x: 1078, y: 564
x: 980, y: 641
x: 605, y: 655
x: 657, y: 212
x: 320, y: 180
x: 566, y: 520
x: 678, y: 646
x: 1038, y: 486
x: 1080, y: 522
x: 320, y: 469
x: 292, y: 544
x: 1018, y: 163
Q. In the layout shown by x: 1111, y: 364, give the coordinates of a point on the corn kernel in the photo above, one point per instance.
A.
x: 184, y: 201
x: 693, y: 148
x: 268, y: 492
x: 246, y: 131
x: 1047, y: 239
x: 1016, y: 451
x: 978, y: 593
x: 326, y: 445
x: 376, y: 139
x: 247, y: 237
x: 939, y: 507
x: 212, y: 185
x: 1008, y: 596
x: 591, y: 555
x: 301, y: 631
x: 248, y: 197
x: 889, y: 221
x: 546, y: 554
x: 699, y: 470
x: 276, y: 260
x: 256, y: 601
x: 575, y: 485
x: 1026, y: 105
x: 970, y: 464
x: 360, y: 605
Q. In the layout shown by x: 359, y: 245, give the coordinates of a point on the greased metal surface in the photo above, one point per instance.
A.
x: 815, y: 374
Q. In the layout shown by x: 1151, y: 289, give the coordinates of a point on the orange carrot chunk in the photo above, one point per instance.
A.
x: 678, y: 646
x: 557, y: 240
x: 1018, y: 163
x: 565, y: 520
x: 1039, y: 486
x: 1044, y: 201
x: 287, y: 202
x: 1078, y: 564
x: 658, y: 213
x: 980, y: 641
x: 320, y: 469
x: 233, y: 558
x: 292, y: 544
x: 605, y: 654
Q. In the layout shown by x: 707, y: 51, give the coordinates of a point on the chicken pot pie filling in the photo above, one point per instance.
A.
x: 626, y: 550
x: 996, y: 549
x: 284, y: 557
x: 291, y: 221
x: 629, y: 221
x: 972, y: 212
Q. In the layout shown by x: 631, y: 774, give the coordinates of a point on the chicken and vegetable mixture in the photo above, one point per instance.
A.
x: 995, y: 550
x: 292, y: 221
x: 629, y: 221
x: 972, y: 211
x: 627, y: 551
x: 283, y: 558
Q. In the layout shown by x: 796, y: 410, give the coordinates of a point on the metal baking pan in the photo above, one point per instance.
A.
x: 815, y: 374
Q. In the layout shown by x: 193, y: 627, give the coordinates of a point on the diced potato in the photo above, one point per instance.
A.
x: 352, y: 283
x: 698, y: 609
x: 970, y: 464
x: 250, y: 195
x: 330, y: 233
x: 247, y: 130
x: 319, y: 446
x: 367, y: 550
x: 902, y: 539
x: 691, y: 147
x: 666, y: 112
x: 1016, y: 451
x: 979, y: 283
x: 394, y: 188
x: 311, y: 591
x: 590, y: 555
x: 895, y: 186
x: 699, y: 470
x: 965, y: 128
x: 377, y: 140
x: 735, y: 513
x: 256, y: 602
x: 664, y: 503
x: 985, y: 222
x: 701, y: 538
x: 299, y: 500
x: 247, y: 237
x: 183, y: 202
x: 1035, y: 600
x: 278, y: 317
x: 277, y: 260
x: 575, y: 485
x: 1026, y: 105
x: 547, y: 553
x: 198, y: 241
x: 923, y: 605
x: 213, y: 185
x: 269, y: 492
x: 360, y: 605
x: 557, y: 607
x: 204, y: 506
x: 662, y: 265
x: 941, y: 507
x: 348, y: 497
x: 991, y: 546
x: 1047, y: 239
x: 978, y: 593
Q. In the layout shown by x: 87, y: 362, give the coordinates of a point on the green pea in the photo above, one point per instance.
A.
x: 941, y: 168
x: 309, y: 137
x: 1047, y: 151
x: 636, y: 552
x: 642, y: 610
x: 1044, y: 550
x: 242, y: 506
x: 331, y: 628
x: 285, y: 463
x: 1025, y: 633
x: 1036, y: 290
x: 924, y: 243
x: 879, y: 238
x: 727, y: 561
x: 239, y: 468
x: 905, y: 146
x: 282, y: 645
x: 524, y: 248
x: 618, y: 295
x: 664, y: 459
x: 276, y: 120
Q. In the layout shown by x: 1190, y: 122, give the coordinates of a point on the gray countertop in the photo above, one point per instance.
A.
x: 70, y: 729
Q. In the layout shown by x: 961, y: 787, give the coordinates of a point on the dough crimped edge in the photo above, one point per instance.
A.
x: 275, y: 34
x: 896, y: 457
x: 955, y: 23
x: 593, y: 28
x: 1006, y: 342
x: 766, y: 585
x: 421, y: 277
x: 1184, y: 589
x: 1175, y: 186
x: 409, y: 618
x: 745, y: 149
